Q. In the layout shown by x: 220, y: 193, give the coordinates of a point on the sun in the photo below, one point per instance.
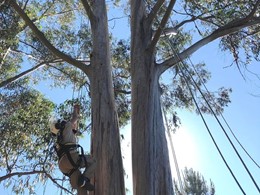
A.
x: 183, y: 146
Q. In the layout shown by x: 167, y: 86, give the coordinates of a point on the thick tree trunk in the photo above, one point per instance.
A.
x: 109, y: 176
x: 151, y: 168
x: 150, y: 158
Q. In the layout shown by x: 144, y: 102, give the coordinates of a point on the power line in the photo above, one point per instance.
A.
x: 212, y: 138
x: 223, y: 129
x: 240, y: 143
x: 204, y: 121
x: 224, y: 119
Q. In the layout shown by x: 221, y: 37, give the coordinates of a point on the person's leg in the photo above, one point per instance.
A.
x: 74, y: 179
x: 82, y: 191
x: 77, y: 181
x: 64, y: 165
x: 90, y: 168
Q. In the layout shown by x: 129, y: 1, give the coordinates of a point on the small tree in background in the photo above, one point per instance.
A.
x: 194, y: 184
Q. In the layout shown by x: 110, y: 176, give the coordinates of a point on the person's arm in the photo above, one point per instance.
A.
x: 75, y: 116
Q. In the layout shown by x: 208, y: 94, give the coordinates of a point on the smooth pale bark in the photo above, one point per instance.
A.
x: 109, y: 175
x: 151, y: 168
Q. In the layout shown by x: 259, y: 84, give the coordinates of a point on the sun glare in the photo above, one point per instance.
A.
x: 185, y: 150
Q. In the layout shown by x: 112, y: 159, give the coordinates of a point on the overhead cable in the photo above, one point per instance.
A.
x: 224, y: 119
x: 211, y: 136
x: 215, y: 116
x: 223, y: 129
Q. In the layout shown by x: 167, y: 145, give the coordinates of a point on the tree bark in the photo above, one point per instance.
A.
x: 109, y: 175
x: 150, y: 158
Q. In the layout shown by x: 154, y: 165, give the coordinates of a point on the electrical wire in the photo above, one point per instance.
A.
x: 214, y: 114
x: 205, y: 123
x: 240, y: 143
x: 212, y: 138
x: 223, y: 129
x: 223, y: 118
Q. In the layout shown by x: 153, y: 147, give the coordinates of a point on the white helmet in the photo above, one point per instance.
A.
x: 52, y: 122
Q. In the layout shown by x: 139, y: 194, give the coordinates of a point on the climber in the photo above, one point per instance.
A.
x: 70, y: 161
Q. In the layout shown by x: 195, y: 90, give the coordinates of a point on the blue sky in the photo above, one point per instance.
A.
x: 241, y: 114
x: 193, y: 146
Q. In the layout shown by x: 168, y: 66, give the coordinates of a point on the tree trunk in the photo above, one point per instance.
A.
x: 150, y: 158
x: 151, y: 168
x: 109, y: 176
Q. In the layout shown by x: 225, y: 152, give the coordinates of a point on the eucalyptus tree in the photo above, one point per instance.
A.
x: 25, y: 143
x: 24, y: 116
x: 197, y: 23
x: 54, y: 46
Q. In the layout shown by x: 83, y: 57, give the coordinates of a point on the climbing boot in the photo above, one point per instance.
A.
x: 84, y: 182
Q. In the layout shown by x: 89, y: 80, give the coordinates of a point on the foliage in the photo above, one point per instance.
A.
x: 9, y: 61
x: 177, y: 94
x: 64, y: 111
x: 27, y: 124
x: 194, y: 183
x: 26, y: 141
x: 8, y: 29
x: 121, y: 77
x: 214, y: 14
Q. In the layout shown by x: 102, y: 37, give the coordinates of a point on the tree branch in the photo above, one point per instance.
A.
x: 55, y: 182
x: 32, y: 173
x: 43, y: 39
x: 28, y: 55
x: 239, y: 21
x: 193, y: 19
x: 29, y: 45
x: 5, y: 55
x: 63, y: 72
x: 88, y: 10
x: 7, y: 81
x: 122, y: 91
x: 162, y: 24
x: 222, y: 31
x: 153, y: 14
x: 252, y: 13
x: 19, y: 174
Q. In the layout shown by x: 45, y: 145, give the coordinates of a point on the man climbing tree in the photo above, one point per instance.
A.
x: 109, y: 177
x: 70, y: 161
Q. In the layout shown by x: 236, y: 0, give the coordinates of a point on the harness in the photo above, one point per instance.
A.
x: 66, y: 149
